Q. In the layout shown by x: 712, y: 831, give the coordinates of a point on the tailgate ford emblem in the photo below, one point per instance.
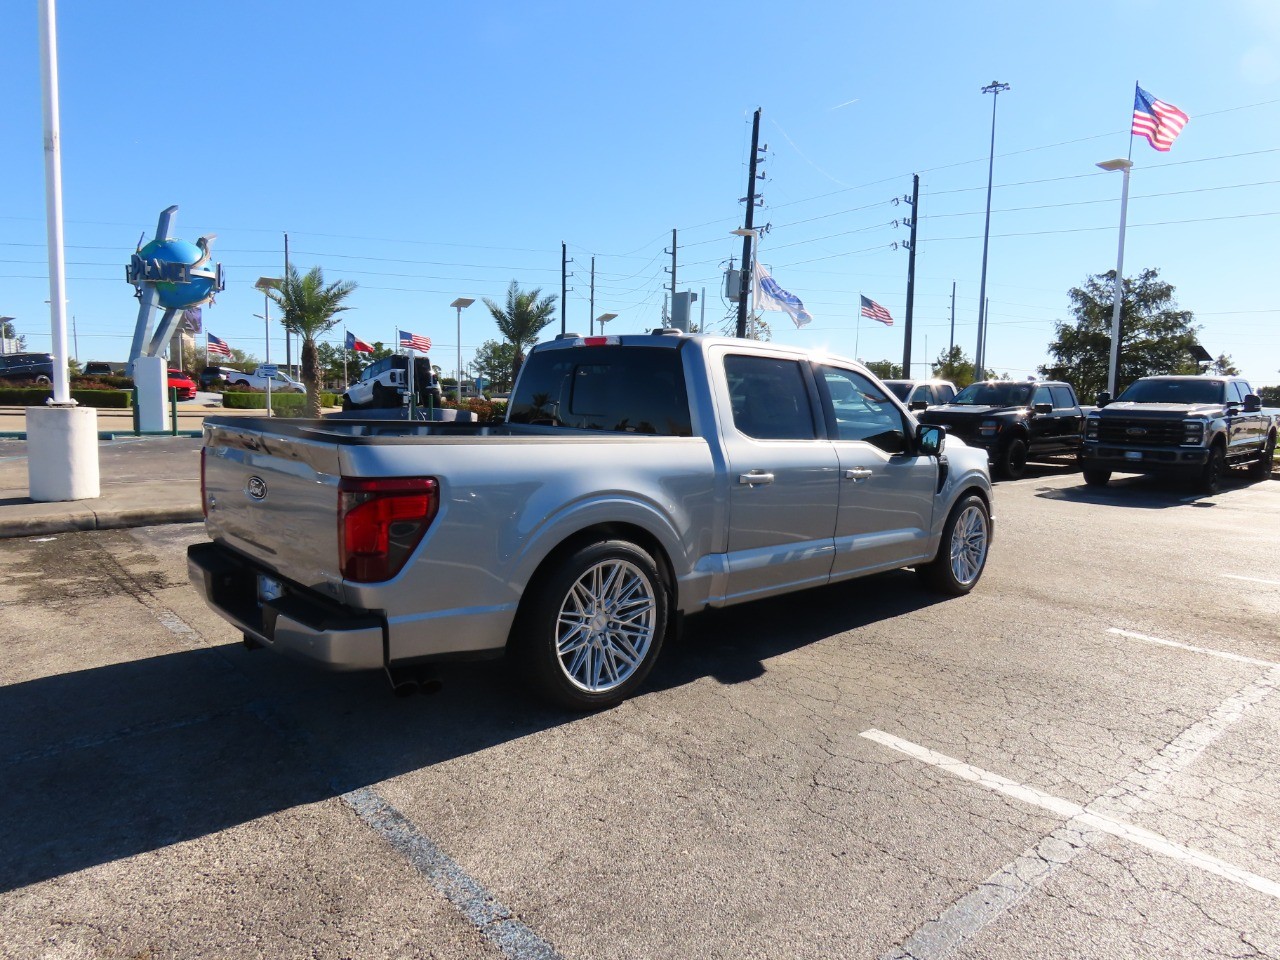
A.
x: 256, y: 488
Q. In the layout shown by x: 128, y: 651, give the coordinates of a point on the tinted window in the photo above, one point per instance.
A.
x: 627, y: 389
x: 994, y: 395
x: 862, y: 411
x: 1175, y: 391
x: 945, y: 392
x: 1043, y: 396
x: 1063, y: 399
x: 770, y: 398
x: 900, y: 389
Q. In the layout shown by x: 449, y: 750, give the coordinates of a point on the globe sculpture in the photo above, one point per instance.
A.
x: 202, y: 284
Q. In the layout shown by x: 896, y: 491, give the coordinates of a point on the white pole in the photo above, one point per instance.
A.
x: 1113, y: 368
x: 460, y: 356
x: 53, y: 202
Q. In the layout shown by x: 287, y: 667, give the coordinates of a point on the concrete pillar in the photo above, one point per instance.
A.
x: 151, y: 377
x: 62, y: 453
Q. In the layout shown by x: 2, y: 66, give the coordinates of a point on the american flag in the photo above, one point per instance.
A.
x: 1156, y: 120
x: 414, y: 341
x: 876, y: 312
x: 218, y: 348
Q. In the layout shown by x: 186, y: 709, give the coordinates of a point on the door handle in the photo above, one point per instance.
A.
x: 858, y: 473
x: 754, y: 477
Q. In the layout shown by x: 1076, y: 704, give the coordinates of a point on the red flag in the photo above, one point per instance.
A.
x: 356, y: 344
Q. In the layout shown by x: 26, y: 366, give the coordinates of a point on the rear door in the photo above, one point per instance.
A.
x: 783, y: 475
x: 887, y: 492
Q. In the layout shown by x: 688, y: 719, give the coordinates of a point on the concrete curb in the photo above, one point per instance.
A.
x: 11, y: 528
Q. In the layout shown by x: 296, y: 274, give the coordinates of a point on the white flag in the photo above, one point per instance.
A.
x: 770, y: 296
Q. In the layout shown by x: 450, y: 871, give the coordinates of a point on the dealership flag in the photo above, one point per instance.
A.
x: 192, y: 320
x: 414, y: 341
x: 358, y: 345
x: 770, y: 296
x: 876, y: 312
x: 1156, y: 120
x: 217, y: 348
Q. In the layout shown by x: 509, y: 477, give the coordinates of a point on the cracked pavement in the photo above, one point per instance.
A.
x: 173, y: 794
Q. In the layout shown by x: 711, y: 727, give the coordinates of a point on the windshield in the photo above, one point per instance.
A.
x: 899, y: 388
x: 994, y: 395
x: 1174, y: 391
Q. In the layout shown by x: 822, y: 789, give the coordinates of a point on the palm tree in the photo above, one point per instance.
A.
x: 522, y: 320
x: 309, y: 309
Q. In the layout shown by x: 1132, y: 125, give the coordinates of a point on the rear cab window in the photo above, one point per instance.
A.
x: 617, y: 389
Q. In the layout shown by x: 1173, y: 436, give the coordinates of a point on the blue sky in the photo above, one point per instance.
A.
x: 429, y: 151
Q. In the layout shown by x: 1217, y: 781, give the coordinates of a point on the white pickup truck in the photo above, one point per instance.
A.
x: 259, y: 380
x: 636, y: 479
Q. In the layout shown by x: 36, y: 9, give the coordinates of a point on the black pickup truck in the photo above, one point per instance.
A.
x: 1193, y: 426
x: 1015, y: 420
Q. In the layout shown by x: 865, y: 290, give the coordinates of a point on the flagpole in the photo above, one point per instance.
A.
x: 346, y: 380
x: 1136, y: 87
x: 857, y: 330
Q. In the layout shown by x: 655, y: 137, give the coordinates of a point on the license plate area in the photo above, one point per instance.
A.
x: 269, y: 588
x: 1133, y: 454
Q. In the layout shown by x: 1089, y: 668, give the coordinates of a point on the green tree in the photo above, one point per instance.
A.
x: 310, y: 307
x: 522, y: 319
x: 954, y: 365
x: 1155, y: 336
x: 1224, y: 366
x: 9, y: 332
x: 885, y: 369
x: 494, y: 361
x: 239, y: 360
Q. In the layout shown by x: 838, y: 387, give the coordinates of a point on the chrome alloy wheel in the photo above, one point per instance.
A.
x: 606, y: 625
x: 969, y: 539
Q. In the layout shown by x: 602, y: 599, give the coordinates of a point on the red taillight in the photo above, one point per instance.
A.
x: 381, y: 521
x: 204, y: 495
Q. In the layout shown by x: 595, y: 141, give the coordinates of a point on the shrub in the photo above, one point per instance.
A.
x: 36, y: 397
x: 283, y: 404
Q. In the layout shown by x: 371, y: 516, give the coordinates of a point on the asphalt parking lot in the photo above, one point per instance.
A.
x: 1077, y: 760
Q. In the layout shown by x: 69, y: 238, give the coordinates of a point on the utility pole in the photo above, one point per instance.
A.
x: 564, y: 281
x: 672, y: 251
x: 911, y: 276
x: 952, y: 343
x: 288, y: 344
x: 591, y: 319
x: 995, y: 88
x: 747, y: 226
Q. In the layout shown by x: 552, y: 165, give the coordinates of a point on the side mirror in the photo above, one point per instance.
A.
x: 930, y: 440
x: 1043, y: 408
x: 1252, y: 403
x: 1102, y: 399
x: 918, y: 405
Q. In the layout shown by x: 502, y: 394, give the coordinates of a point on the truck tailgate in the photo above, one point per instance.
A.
x: 275, y: 499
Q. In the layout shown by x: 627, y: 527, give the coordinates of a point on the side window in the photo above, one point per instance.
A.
x: 861, y: 410
x: 1062, y: 398
x: 1042, y: 396
x: 925, y: 392
x: 945, y: 392
x: 1235, y: 391
x: 769, y: 398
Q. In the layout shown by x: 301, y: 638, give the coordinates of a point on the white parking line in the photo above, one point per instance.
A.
x: 1223, y: 654
x: 1076, y: 814
x: 1232, y: 576
x: 1015, y: 881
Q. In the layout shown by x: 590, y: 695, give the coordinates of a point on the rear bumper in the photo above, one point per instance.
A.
x: 308, y: 627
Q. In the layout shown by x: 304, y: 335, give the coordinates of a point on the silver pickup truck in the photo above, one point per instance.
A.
x: 636, y: 479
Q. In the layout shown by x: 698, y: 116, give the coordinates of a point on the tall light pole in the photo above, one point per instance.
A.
x: 459, y: 304
x: 995, y: 88
x: 264, y: 284
x: 605, y: 318
x: 1113, y: 368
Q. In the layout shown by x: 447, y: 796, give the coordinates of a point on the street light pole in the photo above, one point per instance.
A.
x: 995, y: 88
x: 1113, y: 366
x: 459, y: 304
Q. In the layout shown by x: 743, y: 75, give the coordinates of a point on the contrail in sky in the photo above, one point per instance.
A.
x: 845, y: 104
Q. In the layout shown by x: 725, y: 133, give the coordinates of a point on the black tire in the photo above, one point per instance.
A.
x: 382, y: 397
x: 1097, y: 478
x: 593, y: 625
x: 1260, y: 469
x: 1214, y: 469
x: 346, y: 403
x: 240, y: 383
x: 1011, y: 461
x: 962, y: 553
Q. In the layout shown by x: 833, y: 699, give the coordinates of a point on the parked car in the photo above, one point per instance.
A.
x: 183, y: 383
x: 385, y: 382
x: 1015, y: 420
x: 280, y: 381
x: 637, y: 478
x: 101, y: 368
x: 37, y: 367
x: 216, y: 376
x: 919, y: 394
x: 1193, y: 426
